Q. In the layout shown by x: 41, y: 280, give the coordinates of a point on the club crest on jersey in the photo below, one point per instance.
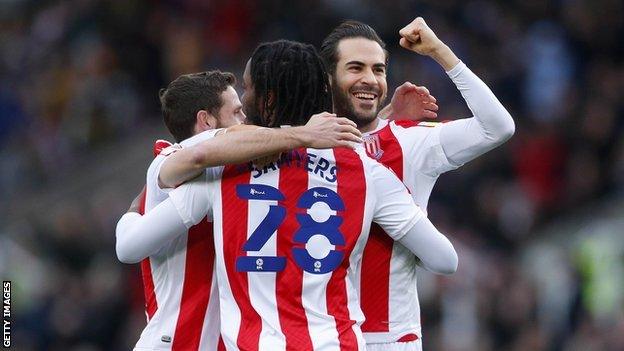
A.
x: 373, y: 146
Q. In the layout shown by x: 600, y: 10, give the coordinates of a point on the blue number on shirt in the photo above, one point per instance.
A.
x: 265, y: 229
x: 308, y: 227
x: 329, y: 229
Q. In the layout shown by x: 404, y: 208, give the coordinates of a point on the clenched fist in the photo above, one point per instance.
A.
x: 418, y: 37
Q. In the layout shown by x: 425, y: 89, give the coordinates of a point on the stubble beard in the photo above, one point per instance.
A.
x: 344, y: 107
x: 254, y: 117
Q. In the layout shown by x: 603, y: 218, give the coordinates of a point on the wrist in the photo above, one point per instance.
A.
x: 445, y: 57
x: 298, y: 137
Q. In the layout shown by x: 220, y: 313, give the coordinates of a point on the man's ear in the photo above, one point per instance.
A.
x: 204, y: 121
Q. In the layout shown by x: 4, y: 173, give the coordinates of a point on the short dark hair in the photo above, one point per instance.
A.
x: 190, y: 93
x: 346, y: 30
x: 294, y: 74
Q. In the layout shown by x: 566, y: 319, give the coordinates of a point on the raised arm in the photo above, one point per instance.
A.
x: 465, y: 139
x: 324, y: 130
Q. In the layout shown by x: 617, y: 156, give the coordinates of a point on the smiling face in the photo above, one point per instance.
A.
x: 359, y: 82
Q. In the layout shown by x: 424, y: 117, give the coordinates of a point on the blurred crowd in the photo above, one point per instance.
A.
x: 81, y: 75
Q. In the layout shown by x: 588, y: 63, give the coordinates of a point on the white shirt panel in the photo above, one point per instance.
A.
x: 168, y: 270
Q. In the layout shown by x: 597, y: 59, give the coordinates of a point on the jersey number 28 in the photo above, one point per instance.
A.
x: 308, y: 227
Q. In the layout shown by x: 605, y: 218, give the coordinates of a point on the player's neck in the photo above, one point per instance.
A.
x: 369, y: 127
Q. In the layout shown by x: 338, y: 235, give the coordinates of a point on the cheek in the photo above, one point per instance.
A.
x: 383, y: 85
x: 345, y: 81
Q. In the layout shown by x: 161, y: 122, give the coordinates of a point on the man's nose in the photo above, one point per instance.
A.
x: 368, y: 77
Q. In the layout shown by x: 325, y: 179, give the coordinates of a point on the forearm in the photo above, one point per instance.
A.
x: 139, y: 236
x: 432, y: 248
x: 249, y: 145
x: 492, y: 125
x: 445, y: 57
x: 231, y: 148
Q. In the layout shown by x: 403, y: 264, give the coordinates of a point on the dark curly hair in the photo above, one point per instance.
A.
x: 290, y: 81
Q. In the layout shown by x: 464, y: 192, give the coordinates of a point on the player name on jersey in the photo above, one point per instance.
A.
x: 310, y: 161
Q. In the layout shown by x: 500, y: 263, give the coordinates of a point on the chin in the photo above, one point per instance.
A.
x: 366, y: 114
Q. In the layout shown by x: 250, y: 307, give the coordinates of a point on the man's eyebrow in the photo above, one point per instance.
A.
x: 360, y: 63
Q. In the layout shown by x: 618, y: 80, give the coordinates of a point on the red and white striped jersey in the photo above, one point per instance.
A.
x: 182, y: 304
x: 288, y: 241
x: 388, y: 272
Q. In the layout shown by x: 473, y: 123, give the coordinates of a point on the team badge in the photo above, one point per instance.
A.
x: 373, y: 146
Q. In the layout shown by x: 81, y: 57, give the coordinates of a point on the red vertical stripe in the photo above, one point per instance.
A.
x: 293, y: 181
x: 221, y: 345
x: 235, y: 213
x: 198, y: 272
x: 146, y: 273
x: 352, y: 190
x: 151, y: 305
x: 146, y: 268
x: 392, y: 156
x: 375, y: 280
x: 375, y: 273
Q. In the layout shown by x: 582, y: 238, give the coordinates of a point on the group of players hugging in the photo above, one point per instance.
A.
x: 294, y: 217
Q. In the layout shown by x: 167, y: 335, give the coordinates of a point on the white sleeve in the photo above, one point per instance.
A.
x: 465, y: 139
x: 395, y: 210
x: 434, y: 250
x: 153, y: 171
x: 193, y: 200
x: 424, y: 152
x: 139, y: 236
x: 154, y: 190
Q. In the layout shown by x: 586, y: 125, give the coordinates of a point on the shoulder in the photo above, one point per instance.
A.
x: 414, y: 133
x: 406, y: 124
x: 198, y: 138
x: 154, y: 166
x: 160, y: 145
